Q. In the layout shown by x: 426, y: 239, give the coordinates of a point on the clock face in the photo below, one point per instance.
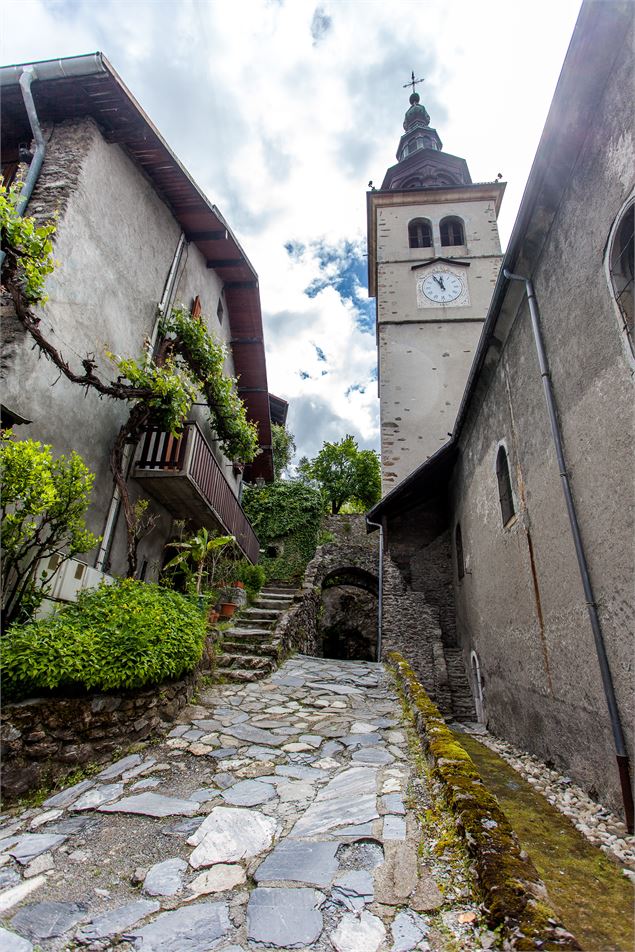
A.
x: 442, y: 287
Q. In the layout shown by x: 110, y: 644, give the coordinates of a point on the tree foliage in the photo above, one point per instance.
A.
x: 125, y: 635
x: 44, y: 502
x: 345, y: 474
x: 283, y: 443
x: 160, y: 392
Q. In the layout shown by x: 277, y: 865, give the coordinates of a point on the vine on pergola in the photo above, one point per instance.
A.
x: 160, y: 392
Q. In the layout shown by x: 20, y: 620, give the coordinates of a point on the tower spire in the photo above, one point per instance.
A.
x: 413, y: 82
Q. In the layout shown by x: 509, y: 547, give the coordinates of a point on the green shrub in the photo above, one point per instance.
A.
x: 125, y: 635
x: 253, y: 577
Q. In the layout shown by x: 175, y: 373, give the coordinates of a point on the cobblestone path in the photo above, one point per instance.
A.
x: 275, y: 815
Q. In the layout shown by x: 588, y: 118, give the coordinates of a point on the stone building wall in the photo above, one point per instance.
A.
x: 520, y: 605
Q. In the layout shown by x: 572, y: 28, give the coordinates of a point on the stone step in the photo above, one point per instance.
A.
x: 273, y: 605
x: 238, y: 646
x: 262, y: 614
x: 258, y: 634
x: 275, y: 596
x: 247, y: 662
x: 247, y: 624
x: 243, y: 675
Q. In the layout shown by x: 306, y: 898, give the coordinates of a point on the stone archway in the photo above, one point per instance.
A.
x: 347, y: 621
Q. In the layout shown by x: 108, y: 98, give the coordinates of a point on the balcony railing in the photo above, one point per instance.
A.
x: 182, y: 473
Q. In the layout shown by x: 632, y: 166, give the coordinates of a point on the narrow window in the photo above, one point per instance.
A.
x: 458, y: 543
x: 504, y: 486
x: 420, y: 233
x: 452, y: 232
x: 622, y: 268
x: 220, y: 311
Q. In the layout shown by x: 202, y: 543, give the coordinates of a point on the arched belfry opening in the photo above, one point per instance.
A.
x: 347, y: 623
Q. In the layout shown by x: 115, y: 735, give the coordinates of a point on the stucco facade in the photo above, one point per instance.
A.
x: 121, y: 251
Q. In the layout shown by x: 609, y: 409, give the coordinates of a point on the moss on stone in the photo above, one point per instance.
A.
x: 513, y: 892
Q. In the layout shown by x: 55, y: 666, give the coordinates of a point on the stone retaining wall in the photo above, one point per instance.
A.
x: 515, y: 898
x: 43, y: 739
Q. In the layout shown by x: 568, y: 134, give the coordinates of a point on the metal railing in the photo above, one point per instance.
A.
x: 191, y: 455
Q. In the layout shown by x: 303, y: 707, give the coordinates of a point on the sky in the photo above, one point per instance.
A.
x: 284, y: 110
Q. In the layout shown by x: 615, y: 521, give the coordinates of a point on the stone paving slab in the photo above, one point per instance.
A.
x: 297, y: 783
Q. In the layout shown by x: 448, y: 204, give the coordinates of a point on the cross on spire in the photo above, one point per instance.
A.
x: 413, y: 82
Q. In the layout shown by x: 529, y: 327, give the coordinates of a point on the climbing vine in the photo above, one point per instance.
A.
x: 161, y: 391
x: 286, y: 516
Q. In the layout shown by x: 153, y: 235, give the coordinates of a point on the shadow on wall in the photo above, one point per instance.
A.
x: 347, y: 625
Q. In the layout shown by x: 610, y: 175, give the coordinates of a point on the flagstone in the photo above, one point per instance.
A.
x: 219, y: 878
x: 284, y: 918
x: 114, y: 921
x: 165, y: 878
x: 248, y: 793
x: 363, y: 933
x: 11, y: 942
x: 229, y: 834
x: 94, y: 798
x: 300, y: 861
x: 47, y: 920
x: 193, y: 928
x: 151, y: 804
x: 65, y: 797
x: 31, y: 845
x: 116, y: 769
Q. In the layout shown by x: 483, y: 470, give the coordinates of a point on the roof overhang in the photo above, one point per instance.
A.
x: 426, y: 482
x: 81, y: 86
x: 381, y: 198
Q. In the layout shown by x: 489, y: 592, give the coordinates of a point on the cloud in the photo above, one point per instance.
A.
x: 320, y: 25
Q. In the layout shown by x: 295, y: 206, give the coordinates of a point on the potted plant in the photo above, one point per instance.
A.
x: 203, y: 550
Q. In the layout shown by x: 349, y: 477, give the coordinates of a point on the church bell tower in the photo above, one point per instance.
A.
x: 433, y: 259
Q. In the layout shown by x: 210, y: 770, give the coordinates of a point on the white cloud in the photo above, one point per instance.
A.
x: 284, y: 111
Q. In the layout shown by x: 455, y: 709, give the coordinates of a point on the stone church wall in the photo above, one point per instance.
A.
x: 520, y: 605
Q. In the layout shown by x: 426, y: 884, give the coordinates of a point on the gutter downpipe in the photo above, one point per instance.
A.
x: 378, y: 525
x: 26, y: 78
x: 621, y: 754
x: 113, y: 509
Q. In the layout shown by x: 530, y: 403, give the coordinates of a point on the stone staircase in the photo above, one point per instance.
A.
x: 462, y: 704
x: 250, y: 650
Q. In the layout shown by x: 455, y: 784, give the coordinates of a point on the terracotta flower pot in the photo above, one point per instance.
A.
x: 239, y: 584
x: 227, y: 609
x: 212, y: 616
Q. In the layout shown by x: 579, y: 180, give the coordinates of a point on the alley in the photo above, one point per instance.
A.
x: 279, y: 814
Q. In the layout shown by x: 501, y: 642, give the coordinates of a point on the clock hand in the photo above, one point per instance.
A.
x: 441, y: 284
x: 438, y: 280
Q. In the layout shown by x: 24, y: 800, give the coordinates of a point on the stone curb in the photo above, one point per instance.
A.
x: 513, y: 893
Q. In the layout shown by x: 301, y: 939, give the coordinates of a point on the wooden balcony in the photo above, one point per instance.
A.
x: 183, y: 475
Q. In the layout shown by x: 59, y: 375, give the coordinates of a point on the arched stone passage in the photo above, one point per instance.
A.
x: 347, y: 622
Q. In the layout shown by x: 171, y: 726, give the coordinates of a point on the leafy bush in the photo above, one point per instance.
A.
x: 253, y: 577
x: 125, y: 635
x: 44, y: 502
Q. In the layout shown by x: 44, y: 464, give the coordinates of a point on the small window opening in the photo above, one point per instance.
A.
x: 452, y: 232
x: 219, y: 311
x: 420, y: 233
x: 504, y: 486
x: 622, y: 269
x: 458, y: 543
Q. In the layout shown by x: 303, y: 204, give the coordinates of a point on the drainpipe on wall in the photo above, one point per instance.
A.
x: 378, y: 525
x: 621, y: 753
x: 26, y: 78
x: 113, y: 509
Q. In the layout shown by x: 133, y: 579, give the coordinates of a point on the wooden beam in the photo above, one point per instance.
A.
x: 220, y: 234
x: 226, y: 263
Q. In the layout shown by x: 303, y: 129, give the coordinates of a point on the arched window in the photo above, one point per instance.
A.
x: 420, y: 233
x: 452, y: 232
x: 458, y: 544
x: 621, y: 271
x: 504, y: 486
